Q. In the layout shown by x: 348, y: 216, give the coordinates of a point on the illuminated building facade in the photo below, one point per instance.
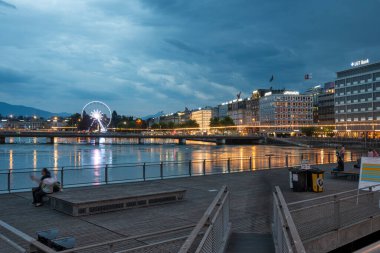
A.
x: 315, y: 92
x: 325, y: 115
x: 237, y: 110
x: 202, y: 117
x: 254, y: 104
x: 357, y: 100
x: 289, y: 110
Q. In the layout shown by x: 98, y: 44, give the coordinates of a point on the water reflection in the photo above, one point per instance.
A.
x: 89, y: 160
x: 11, y: 159
x: 34, y: 159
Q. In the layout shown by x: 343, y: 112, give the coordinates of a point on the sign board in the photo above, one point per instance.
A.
x: 359, y: 63
x: 305, y: 164
x: 370, y: 172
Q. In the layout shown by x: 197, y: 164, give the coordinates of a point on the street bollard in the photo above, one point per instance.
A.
x: 9, y: 181
x: 229, y: 165
x: 162, y: 170
x: 62, y: 178
x: 250, y: 163
x: 204, y: 167
x: 106, y: 174
x: 190, y: 168
x: 287, y: 161
x: 144, y: 176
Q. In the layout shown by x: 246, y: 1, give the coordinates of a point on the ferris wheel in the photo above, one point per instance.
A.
x: 99, y: 115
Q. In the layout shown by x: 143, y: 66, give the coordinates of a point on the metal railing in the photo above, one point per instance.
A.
x: 211, y: 233
x: 284, y: 231
x: 18, y: 179
x: 317, y: 216
x: 19, y: 241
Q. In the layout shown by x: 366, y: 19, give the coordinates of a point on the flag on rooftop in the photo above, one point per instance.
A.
x: 308, y: 76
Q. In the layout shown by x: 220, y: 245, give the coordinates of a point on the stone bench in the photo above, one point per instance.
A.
x: 79, y: 203
x: 354, y: 175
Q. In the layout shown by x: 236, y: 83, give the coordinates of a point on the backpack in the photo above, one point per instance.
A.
x: 57, y: 187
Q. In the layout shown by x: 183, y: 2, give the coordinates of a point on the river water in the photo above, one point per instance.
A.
x: 84, y: 163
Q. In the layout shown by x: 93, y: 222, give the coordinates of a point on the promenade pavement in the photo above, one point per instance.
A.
x: 250, y: 210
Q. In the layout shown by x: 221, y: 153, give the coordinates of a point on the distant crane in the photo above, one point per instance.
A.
x: 238, y: 95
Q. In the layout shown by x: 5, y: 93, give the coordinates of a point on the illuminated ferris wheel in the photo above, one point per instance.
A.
x: 98, y: 114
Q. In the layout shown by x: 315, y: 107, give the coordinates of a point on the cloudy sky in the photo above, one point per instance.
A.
x: 144, y: 56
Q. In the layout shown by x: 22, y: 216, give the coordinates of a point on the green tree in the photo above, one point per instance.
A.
x: 227, y: 121
x: 215, y: 122
x: 189, y: 124
x: 308, y: 131
x: 74, y: 120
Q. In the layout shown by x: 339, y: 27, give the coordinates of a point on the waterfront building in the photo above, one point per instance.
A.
x: 254, y: 104
x: 202, y: 117
x: 237, y: 111
x: 325, y: 105
x: 222, y: 111
x: 288, y: 110
x: 315, y: 92
x: 177, y: 118
x: 357, y: 100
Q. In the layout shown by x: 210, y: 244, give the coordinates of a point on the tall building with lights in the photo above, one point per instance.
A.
x: 288, y: 110
x: 357, y: 100
x: 325, y: 105
x: 202, y: 117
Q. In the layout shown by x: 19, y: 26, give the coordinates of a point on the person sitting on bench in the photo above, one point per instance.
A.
x: 339, y: 158
x: 45, y: 186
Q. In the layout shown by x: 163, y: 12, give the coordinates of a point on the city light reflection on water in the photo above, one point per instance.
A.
x: 212, y: 158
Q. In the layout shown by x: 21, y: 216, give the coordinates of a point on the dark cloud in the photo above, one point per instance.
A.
x: 9, y: 76
x: 182, y: 46
x: 7, y: 5
x: 143, y: 56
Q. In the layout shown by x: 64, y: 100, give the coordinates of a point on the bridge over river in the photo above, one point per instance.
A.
x: 51, y: 137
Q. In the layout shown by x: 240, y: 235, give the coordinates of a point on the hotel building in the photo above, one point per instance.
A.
x: 357, y: 100
x: 202, y: 117
x: 288, y: 110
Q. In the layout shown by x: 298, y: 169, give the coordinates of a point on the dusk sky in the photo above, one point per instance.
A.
x: 144, y: 56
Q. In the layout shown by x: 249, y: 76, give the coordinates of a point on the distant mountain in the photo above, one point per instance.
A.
x: 153, y: 115
x: 20, y: 110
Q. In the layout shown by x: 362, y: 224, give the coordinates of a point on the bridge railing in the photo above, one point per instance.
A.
x: 19, y: 179
x: 213, y: 229
x: 284, y: 231
x: 317, y: 216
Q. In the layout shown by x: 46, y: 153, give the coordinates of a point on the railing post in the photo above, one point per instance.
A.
x: 316, y: 158
x: 229, y: 165
x: 144, y: 176
x: 336, y: 212
x: 328, y: 157
x: 62, y: 177
x: 270, y: 161
x: 204, y: 167
x: 162, y: 170
x: 287, y: 161
x: 250, y: 163
x: 9, y: 181
x: 190, y: 168
x: 106, y: 174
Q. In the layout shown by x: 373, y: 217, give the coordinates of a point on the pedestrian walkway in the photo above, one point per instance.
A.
x: 251, y: 210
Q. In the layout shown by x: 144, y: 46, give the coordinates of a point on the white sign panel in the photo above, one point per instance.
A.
x: 305, y: 165
x: 359, y: 63
x: 370, y: 172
